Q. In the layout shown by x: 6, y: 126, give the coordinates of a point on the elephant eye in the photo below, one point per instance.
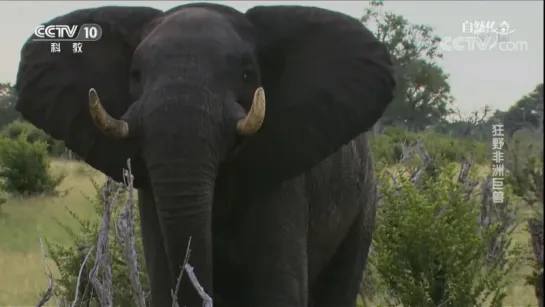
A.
x: 135, y: 76
x: 246, y: 76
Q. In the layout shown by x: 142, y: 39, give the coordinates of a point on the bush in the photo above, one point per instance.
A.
x: 456, y: 150
x: 524, y: 160
x: 69, y: 259
x: 392, y: 146
x: 429, y: 248
x: 24, y: 167
x: 18, y: 127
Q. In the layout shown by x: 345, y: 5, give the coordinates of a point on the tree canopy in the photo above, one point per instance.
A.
x: 423, y: 93
x: 7, y: 104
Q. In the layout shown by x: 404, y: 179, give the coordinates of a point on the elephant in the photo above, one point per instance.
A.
x: 266, y: 114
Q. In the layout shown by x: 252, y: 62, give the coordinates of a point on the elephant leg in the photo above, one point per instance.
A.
x: 154, y: 250
x: 274, y: 247
x: 338, y: 283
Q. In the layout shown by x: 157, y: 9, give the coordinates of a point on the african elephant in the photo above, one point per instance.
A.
x: 279, y: 205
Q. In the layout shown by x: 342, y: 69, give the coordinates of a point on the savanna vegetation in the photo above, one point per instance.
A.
x: 442, y: 237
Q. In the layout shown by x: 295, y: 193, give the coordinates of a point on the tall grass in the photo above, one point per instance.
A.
x: 24, y: 220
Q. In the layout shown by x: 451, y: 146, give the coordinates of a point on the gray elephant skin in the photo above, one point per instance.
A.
x: 246, y: 132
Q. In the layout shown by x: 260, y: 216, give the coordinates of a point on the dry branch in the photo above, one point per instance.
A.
x: 103, y: 288
x: 49, y: 292
x: 126, y: 230
x: 174, y: 294
x: 417, y: 149
x: 101, y: 273
x: 207, y: 300
x: 79, y: 276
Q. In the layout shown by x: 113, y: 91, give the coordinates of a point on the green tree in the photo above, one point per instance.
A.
x: 423, y: 93
x: 25, y: 167
x: 475, y: 125
x: 526, y: 113
x: 7, y: 104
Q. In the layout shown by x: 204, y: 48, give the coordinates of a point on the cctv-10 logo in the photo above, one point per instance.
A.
x: 86, y: 32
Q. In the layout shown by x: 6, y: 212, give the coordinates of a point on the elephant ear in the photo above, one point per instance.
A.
x: 53, y: 88
x: 327, y: 79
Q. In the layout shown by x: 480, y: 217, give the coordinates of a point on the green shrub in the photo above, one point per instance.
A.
x: 389, y: 146
x: 25, y: 167
x: 524, y: 161
x: 383, y: 150
x: 14, y: 129
x: 69, y: 258
x: 429, y: 249
x: 18, y: 127
x: 456, y: 150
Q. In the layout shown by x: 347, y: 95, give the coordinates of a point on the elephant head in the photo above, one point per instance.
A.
x: 177, y: 91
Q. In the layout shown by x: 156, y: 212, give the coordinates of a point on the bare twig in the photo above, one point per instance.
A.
x: 174, y: 294
x: 473, y: 120
x: 49, y: 292
x: 79, y: 276
x: 207, y: 300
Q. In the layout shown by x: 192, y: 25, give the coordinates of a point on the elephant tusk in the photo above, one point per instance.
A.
x: 254, y: 119
x: 105, y: 123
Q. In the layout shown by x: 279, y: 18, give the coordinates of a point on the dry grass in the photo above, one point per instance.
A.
x: 25, y: 220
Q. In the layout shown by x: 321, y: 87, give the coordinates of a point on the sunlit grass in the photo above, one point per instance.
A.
x: 25, y: 220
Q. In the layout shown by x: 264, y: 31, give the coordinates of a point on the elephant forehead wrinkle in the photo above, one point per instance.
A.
x: 195, y: 15
x: 199, y: 26
x: 193, y: 20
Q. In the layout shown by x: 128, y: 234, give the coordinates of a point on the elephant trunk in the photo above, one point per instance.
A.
x: 181, y: 132
x: 181, y: 155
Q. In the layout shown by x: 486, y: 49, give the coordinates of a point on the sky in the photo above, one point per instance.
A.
x: 480, y: 77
